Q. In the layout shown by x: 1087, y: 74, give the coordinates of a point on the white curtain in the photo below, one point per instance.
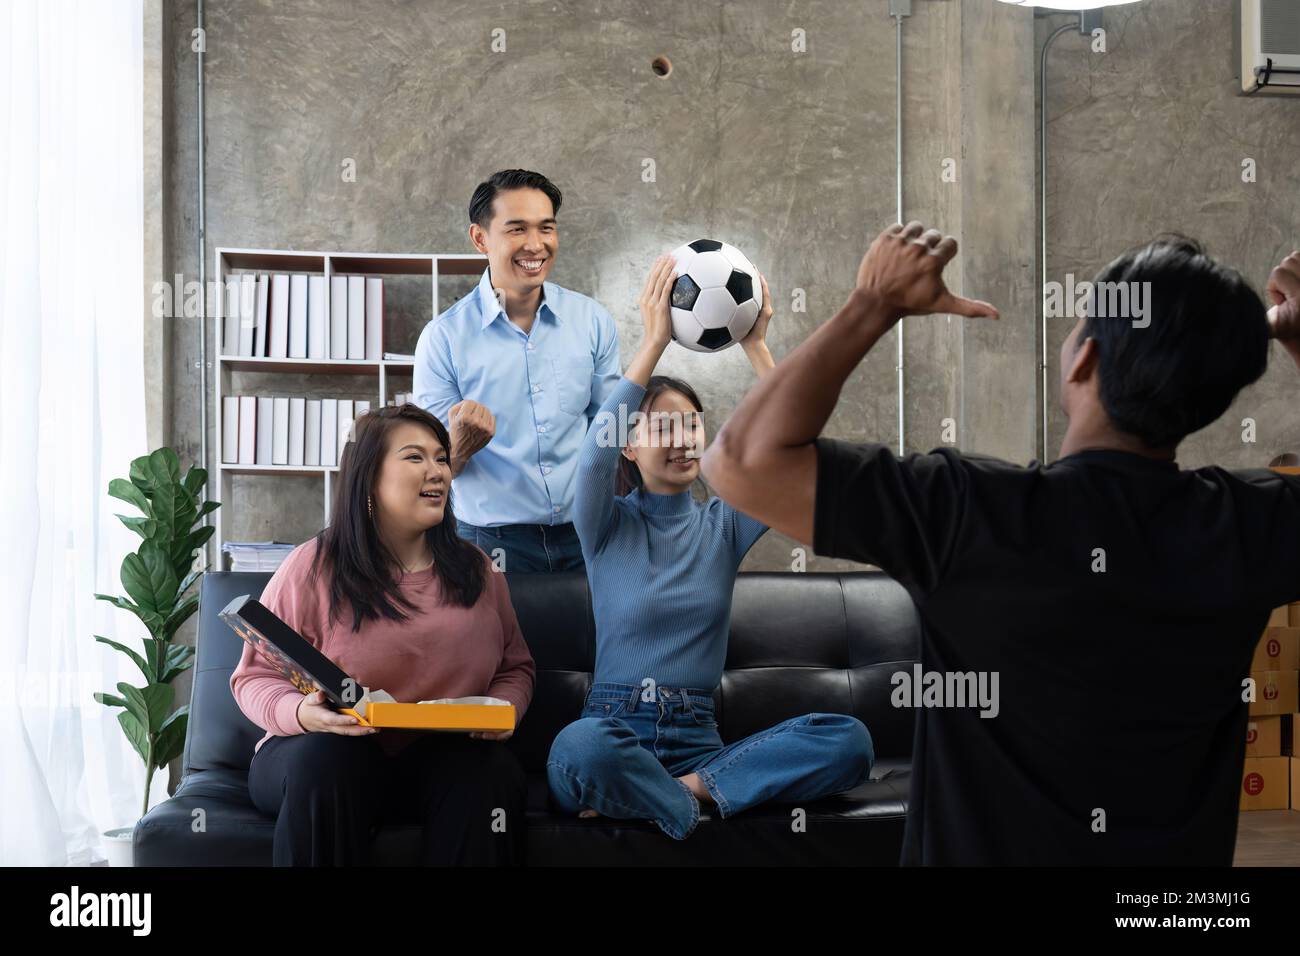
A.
x: 71, y: 417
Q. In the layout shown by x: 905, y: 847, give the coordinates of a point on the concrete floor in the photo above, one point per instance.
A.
x: 1268, y: 838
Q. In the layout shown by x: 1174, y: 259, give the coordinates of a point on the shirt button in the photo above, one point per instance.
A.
x: 556, y: 509
x: 530, y: 346
x: 537, y: 388
x: 541, y: 428
x: 546, y: 471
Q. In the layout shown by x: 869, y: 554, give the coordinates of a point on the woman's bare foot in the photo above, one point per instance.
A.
x: 587, y: 814
x: 696, y: 786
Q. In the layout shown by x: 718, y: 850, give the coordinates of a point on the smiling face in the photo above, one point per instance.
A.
x: 520, y: 240
x: 668, y: 444
x: 410, y: 493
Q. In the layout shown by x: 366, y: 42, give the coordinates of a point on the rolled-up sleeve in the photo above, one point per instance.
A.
x: 435, y: 385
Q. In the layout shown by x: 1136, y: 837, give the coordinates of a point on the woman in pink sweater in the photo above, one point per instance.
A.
x: 399, y: 601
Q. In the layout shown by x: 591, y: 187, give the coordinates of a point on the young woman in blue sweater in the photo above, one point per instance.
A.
x: 662, y: 567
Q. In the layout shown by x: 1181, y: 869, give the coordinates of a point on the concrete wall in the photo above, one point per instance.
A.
x: 1150, y: 137
x: 788, y: 155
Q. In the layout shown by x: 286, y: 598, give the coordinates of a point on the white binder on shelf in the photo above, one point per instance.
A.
x: 318, y: 332
x: 356, y: 317
x: 230, y: 429
x: 230, y: 321
x: 247, y: 429
x: 346, y: 414
x: 338, y: 317
x: 279, y: 331
x: 311, y: 433
x: 262, y: 305
x: 297, y: 430
x: 329, y: 432
x: 247, y: 313
x: 265, y: 429
x: 280, y: 437
x: 374, y: 316
x: 298, y: 316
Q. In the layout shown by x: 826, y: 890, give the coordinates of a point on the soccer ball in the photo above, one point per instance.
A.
x: 716, y: 297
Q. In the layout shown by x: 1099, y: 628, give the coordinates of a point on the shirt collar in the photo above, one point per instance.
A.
x: 491, y: 307
x: 1117, y: 456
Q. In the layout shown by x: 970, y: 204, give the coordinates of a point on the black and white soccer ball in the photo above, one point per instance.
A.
x: 716, y: 297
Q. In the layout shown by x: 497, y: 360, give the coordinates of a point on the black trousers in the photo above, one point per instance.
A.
x: 328, y: 791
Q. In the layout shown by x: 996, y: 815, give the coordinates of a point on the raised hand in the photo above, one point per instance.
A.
x: 904, y: 270
x: 656, y: 302
x: 759, y: 332
x: 1284, y: 293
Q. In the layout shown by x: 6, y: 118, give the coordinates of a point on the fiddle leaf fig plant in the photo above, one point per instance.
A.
x: 156, y: 578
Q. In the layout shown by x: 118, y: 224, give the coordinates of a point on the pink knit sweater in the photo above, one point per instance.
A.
x: 442, y: 650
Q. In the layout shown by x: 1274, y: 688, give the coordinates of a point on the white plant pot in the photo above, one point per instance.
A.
x: 117, y: 846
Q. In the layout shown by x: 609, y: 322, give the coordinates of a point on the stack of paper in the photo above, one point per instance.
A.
x: 256, y: 555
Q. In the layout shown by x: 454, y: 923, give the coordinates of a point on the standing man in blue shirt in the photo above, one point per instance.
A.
x: 516, y: 370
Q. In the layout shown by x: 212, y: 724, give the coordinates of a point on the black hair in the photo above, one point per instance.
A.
x: 628, y: 477
x: 480, y: 204
x: 1207, y: 339
x: 358, y: 561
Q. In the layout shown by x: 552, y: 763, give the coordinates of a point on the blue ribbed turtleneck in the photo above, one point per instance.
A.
x: 661, y: 567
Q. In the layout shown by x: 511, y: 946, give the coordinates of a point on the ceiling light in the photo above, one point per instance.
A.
x: 1068, y: 4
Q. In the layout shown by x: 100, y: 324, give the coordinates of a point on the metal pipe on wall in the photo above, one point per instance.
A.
x: 899, y: 9
x: 203, y: 284
x: 1042, y: 263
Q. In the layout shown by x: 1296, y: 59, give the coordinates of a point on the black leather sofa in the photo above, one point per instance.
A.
x: 799, y: 643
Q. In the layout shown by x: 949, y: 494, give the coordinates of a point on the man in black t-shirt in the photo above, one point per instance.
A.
x: 1088, y: 624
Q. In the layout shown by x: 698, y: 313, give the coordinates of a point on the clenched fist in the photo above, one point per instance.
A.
x: 1284, y: 293
x: 472, y: 427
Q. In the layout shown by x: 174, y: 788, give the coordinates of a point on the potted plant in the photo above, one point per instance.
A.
x: 156, y: 578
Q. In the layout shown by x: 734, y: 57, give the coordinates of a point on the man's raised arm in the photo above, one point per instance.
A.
x: 763, y: 461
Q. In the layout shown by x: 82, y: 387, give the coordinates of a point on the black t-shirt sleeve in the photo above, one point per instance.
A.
x: 902, y: 515
x: 1277, y: 555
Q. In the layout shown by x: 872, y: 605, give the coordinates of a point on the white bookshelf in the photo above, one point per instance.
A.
x: 327, y: 264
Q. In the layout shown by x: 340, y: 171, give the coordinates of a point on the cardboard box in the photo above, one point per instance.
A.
x: 1295, y: 782
x: 1281, y: 617
x: 1293, y: 615
x: 1264, y: 737
x: 1266, y: 783
x: 1276, y: 692
x: 1278, y: 650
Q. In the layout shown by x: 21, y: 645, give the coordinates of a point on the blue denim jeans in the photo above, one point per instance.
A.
x: 528, y: 548
x: 622, y: 758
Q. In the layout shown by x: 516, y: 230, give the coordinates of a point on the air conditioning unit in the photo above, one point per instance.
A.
x: 1269, y: 43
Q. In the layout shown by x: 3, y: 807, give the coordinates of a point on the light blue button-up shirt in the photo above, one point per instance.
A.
x: 543, y: 388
